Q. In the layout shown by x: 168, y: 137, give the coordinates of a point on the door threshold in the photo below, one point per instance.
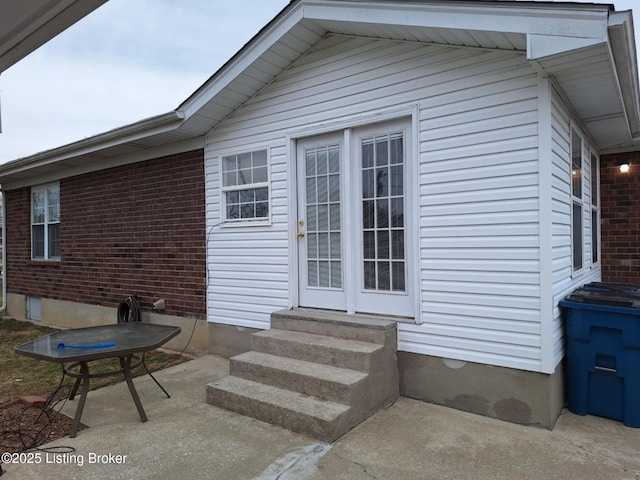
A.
x: 355, y: 315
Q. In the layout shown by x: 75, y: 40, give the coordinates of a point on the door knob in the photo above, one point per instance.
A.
x: 300, y: 234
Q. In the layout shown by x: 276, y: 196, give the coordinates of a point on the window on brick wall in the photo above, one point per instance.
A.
x: 245, y: 186
x: 577, y: 247
x: 45, y: 222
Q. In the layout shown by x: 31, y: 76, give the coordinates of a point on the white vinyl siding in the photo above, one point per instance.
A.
x: 478, y: 180
x: 247, y: 265
x: 479, y: 222
x: 564, y: 279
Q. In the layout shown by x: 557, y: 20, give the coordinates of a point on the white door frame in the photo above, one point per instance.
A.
x: 386, y: 302
x: 334, y: 296
x: 412, y: 178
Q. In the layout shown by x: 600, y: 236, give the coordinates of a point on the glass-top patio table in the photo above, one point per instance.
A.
x: 80, y: 346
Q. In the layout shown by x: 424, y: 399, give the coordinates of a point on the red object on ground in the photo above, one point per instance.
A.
x: 33, y: 401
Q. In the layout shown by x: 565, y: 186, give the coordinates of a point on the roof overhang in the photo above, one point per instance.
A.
x: 598, y: 75
x: 588, y: 50
x: 25, y: 25
x: 150, y: 138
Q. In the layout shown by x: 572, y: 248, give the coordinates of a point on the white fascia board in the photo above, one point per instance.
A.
x: 589, y: 21
x: 189, y: 144
x: 540, y: 46
x: 584, y: 22
x: 150, y: 126
x: 241, y: 61
x: 623, y: 18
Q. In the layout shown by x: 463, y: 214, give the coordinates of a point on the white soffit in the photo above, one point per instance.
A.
x: 567, y: 41
x: 588, y: 79
x: 509, y: 25
x: 506, y: 17
x: 25, y: 25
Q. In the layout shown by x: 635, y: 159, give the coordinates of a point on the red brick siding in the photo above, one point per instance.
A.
x: 620, y: 198
x: 135, y: 229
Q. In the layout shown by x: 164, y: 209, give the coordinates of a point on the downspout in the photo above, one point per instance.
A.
x: 3, y: 212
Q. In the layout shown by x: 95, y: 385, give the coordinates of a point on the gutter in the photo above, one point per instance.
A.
x: 128, y: 133
x: 622, y: 40
x: 3, y: 277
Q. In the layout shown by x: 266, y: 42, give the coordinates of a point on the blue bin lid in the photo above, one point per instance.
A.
x: 607, y: 294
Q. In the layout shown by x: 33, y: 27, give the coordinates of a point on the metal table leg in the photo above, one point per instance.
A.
x: 83, y: 378
x: 125, y: 363
x: 84, y: 371
x: 74, y: 390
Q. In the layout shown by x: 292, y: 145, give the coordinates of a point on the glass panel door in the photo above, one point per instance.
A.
x: 382, y: 159
x: 323, y: 232
x: 320, y: 223
x: 353, y: 232
x: 382, y: 232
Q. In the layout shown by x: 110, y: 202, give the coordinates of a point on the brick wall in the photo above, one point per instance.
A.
x: 620, y: 198
x: 135, y: 229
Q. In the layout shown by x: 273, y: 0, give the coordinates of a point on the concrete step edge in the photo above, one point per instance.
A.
x: 323, y: 420
x: 337, y: 318
x: 316, y: 340
x: 320, y: 419
x: 287, y: 399
x: 294, y: 366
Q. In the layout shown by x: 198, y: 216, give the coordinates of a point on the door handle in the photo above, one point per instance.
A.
x: 300, y: 234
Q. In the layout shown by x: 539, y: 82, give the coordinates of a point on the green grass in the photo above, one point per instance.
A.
x: 20, y: 376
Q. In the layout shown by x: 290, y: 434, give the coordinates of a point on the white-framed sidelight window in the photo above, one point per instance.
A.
x: 585, y: 205
x: 577, y: 217
x: 595, y: 209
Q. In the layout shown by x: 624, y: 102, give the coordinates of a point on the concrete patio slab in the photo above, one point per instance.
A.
x: 189, y: 439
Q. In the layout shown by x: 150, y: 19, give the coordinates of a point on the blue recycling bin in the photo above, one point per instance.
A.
x: 603, y: 351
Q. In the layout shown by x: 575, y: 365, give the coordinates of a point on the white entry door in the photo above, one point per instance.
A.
x: 353, y: 227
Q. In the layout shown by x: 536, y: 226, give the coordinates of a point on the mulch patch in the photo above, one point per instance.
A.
x: 25, y: 427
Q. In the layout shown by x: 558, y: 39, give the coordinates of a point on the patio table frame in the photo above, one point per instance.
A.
x: 131, y: 340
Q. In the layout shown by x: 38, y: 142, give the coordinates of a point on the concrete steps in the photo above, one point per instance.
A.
x: 314, y: 372
x: 322, y: 381
x: 294, y: 411
x: 322, y: 349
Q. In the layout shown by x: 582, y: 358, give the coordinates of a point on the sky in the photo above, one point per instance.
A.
x: 126, y: 61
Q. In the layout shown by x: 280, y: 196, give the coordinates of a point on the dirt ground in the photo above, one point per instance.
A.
x: 25, y: 427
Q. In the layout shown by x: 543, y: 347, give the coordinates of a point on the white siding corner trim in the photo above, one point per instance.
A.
x: 545, y: 129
